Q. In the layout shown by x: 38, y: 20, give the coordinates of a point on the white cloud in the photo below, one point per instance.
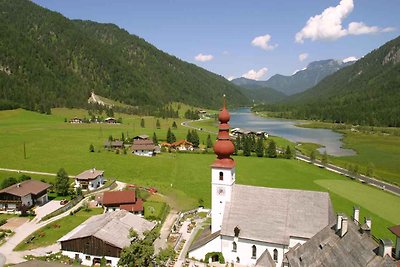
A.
x: 230, y: 78
x: 349, y: 59
x: 303, y: 56
x: 328, y: 24
x: 254, y: 74
x: 263, y: 42
x: 203, y: 58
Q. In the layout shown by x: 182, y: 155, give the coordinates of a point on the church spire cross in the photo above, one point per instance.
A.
x: 224, y: 147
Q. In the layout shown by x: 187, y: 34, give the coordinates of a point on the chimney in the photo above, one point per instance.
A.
x: 343, y: 229
x: 368, y: 222
x: 385, y: 247
x: 356, y: 214
x: 339, y: 221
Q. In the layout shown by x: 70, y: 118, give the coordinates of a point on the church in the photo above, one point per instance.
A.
x: 251, y: 225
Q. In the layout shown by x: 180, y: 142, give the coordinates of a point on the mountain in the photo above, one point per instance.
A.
x: 257, y: 93
x: 367, y: 92
x: 47, y: 60
x: 301, y: 80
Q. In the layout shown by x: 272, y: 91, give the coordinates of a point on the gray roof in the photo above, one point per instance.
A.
x: 204, y: 239
x: 89, y: 174
x: 111, y: 227
x: 274, y: 215
x: 355, y: 248
x: 265, y: 260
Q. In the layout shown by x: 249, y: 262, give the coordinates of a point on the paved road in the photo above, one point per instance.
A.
x: 372, y: 181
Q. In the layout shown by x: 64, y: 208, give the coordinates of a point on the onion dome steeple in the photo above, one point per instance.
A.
x: 224, y: 147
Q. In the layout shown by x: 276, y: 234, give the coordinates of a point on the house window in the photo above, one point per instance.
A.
x: 237, y: 231
x: 253, y: 252
x: 234, y: 247
x: 275, y: 255
x: 87, y: 258
x: 237, y: 260
x: 221, y: 176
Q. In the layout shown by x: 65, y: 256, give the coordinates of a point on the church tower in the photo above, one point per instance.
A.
x: 222, y: 171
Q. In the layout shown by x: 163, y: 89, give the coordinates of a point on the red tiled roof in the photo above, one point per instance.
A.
x: 26, y: 187
x: 138, y: 206
x: 395, y: 230
x: 119, y: 197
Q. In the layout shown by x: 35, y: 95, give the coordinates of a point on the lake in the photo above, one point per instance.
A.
x: 245, y: 119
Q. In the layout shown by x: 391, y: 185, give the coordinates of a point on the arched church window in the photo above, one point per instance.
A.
x: 236, y: 231
x: 234, y: 247
x: 253, y: 252
x: 221, y: 176
x: 275, y: 255
x: 237, y: 260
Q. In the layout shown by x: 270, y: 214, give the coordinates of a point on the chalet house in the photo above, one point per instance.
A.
x: 182, y: 145
x: 114, y: 144
x: 75, y: 120
x: 90, y: 179
x: 110, y: 120
x: 27, y: 193
x: 141, y: 137
x: 103, y: 235
x: 122, y: 200
x: 143, y: 148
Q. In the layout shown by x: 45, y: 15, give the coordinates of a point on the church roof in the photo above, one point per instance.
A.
x: 274, y: 215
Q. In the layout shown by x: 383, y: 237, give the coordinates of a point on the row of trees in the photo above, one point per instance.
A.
x: 192, y: 114
x: 249, y: 144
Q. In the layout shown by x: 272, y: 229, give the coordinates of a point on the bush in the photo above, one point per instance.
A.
x: 3, y: 221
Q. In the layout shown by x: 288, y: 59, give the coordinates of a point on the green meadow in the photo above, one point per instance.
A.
x: 185, y: 178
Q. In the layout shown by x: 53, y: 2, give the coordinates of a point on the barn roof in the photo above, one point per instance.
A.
x: 119, y: 197
x: 274, y: 215
x: 112, y: 227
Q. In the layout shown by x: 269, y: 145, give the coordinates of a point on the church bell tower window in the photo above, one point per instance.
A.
x: 221, y: 176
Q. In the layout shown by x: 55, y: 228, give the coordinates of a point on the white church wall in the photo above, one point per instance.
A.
x: 244, y: 250
x: 212, y: 246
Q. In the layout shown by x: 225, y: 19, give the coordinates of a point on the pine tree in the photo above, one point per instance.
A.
x: 158, y: 126
x: 260, y: 147
x: 271, y: 149
x: 174, y: 126
x: 288, y: 153
x: 246, y: 146
x: 324, y: 159
x: 189, y: 137
x: 169, y: 136
x: 91, y: 148
x: 209, y: 142
x: 142, y: 123
x: 122, y: 137
x: 173, y: 138
x: 62, y: 183
x: 195, y: 139
x: 155, y: 140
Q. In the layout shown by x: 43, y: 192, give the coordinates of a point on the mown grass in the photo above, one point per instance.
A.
x: 50, y: 233
x: 184, y: 178
x: 154, y: 210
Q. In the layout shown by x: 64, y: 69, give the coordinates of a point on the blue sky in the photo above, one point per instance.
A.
x: 253, y: 38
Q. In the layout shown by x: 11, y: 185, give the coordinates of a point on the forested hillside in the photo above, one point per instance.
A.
x: 367, y: 93
x: 257, y: 93
x: 47, y: 60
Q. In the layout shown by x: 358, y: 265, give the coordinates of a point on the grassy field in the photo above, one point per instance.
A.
x: 374, y: 147
x: 184, y: 178
x: 154, y: 210
x: 50, y: 233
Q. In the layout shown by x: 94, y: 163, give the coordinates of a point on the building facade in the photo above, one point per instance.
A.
x: 90, y: 179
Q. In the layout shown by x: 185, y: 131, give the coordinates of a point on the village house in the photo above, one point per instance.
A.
x: 182, y: 145
x: 141, y: 137
x: 103, y: 235
x: 123, y: 200
x: 110, y: 120
x: 342, y: 243
x: 27, y: 193
x: 114, y: 144
x: 250, y: 222
x: 75, y: 120
x: 143, y: 148
x: 90, y: 179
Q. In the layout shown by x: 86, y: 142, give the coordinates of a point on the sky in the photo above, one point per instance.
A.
x: 254, y: 39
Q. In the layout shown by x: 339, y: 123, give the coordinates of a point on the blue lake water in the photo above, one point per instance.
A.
x: 245, y: 119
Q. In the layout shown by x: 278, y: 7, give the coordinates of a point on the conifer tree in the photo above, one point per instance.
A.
x: 155, y: 140
x: 158, y: 126
x: 195, y: 139
x: 246, y: 146
x: 174, y: 125
x: 271, y: 149
x: 142, y: 123
x: 288, y: 152
x: 260, y: 147
x: 209, y: 142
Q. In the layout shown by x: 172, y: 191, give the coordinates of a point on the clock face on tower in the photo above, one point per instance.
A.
x: 220, y: 191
